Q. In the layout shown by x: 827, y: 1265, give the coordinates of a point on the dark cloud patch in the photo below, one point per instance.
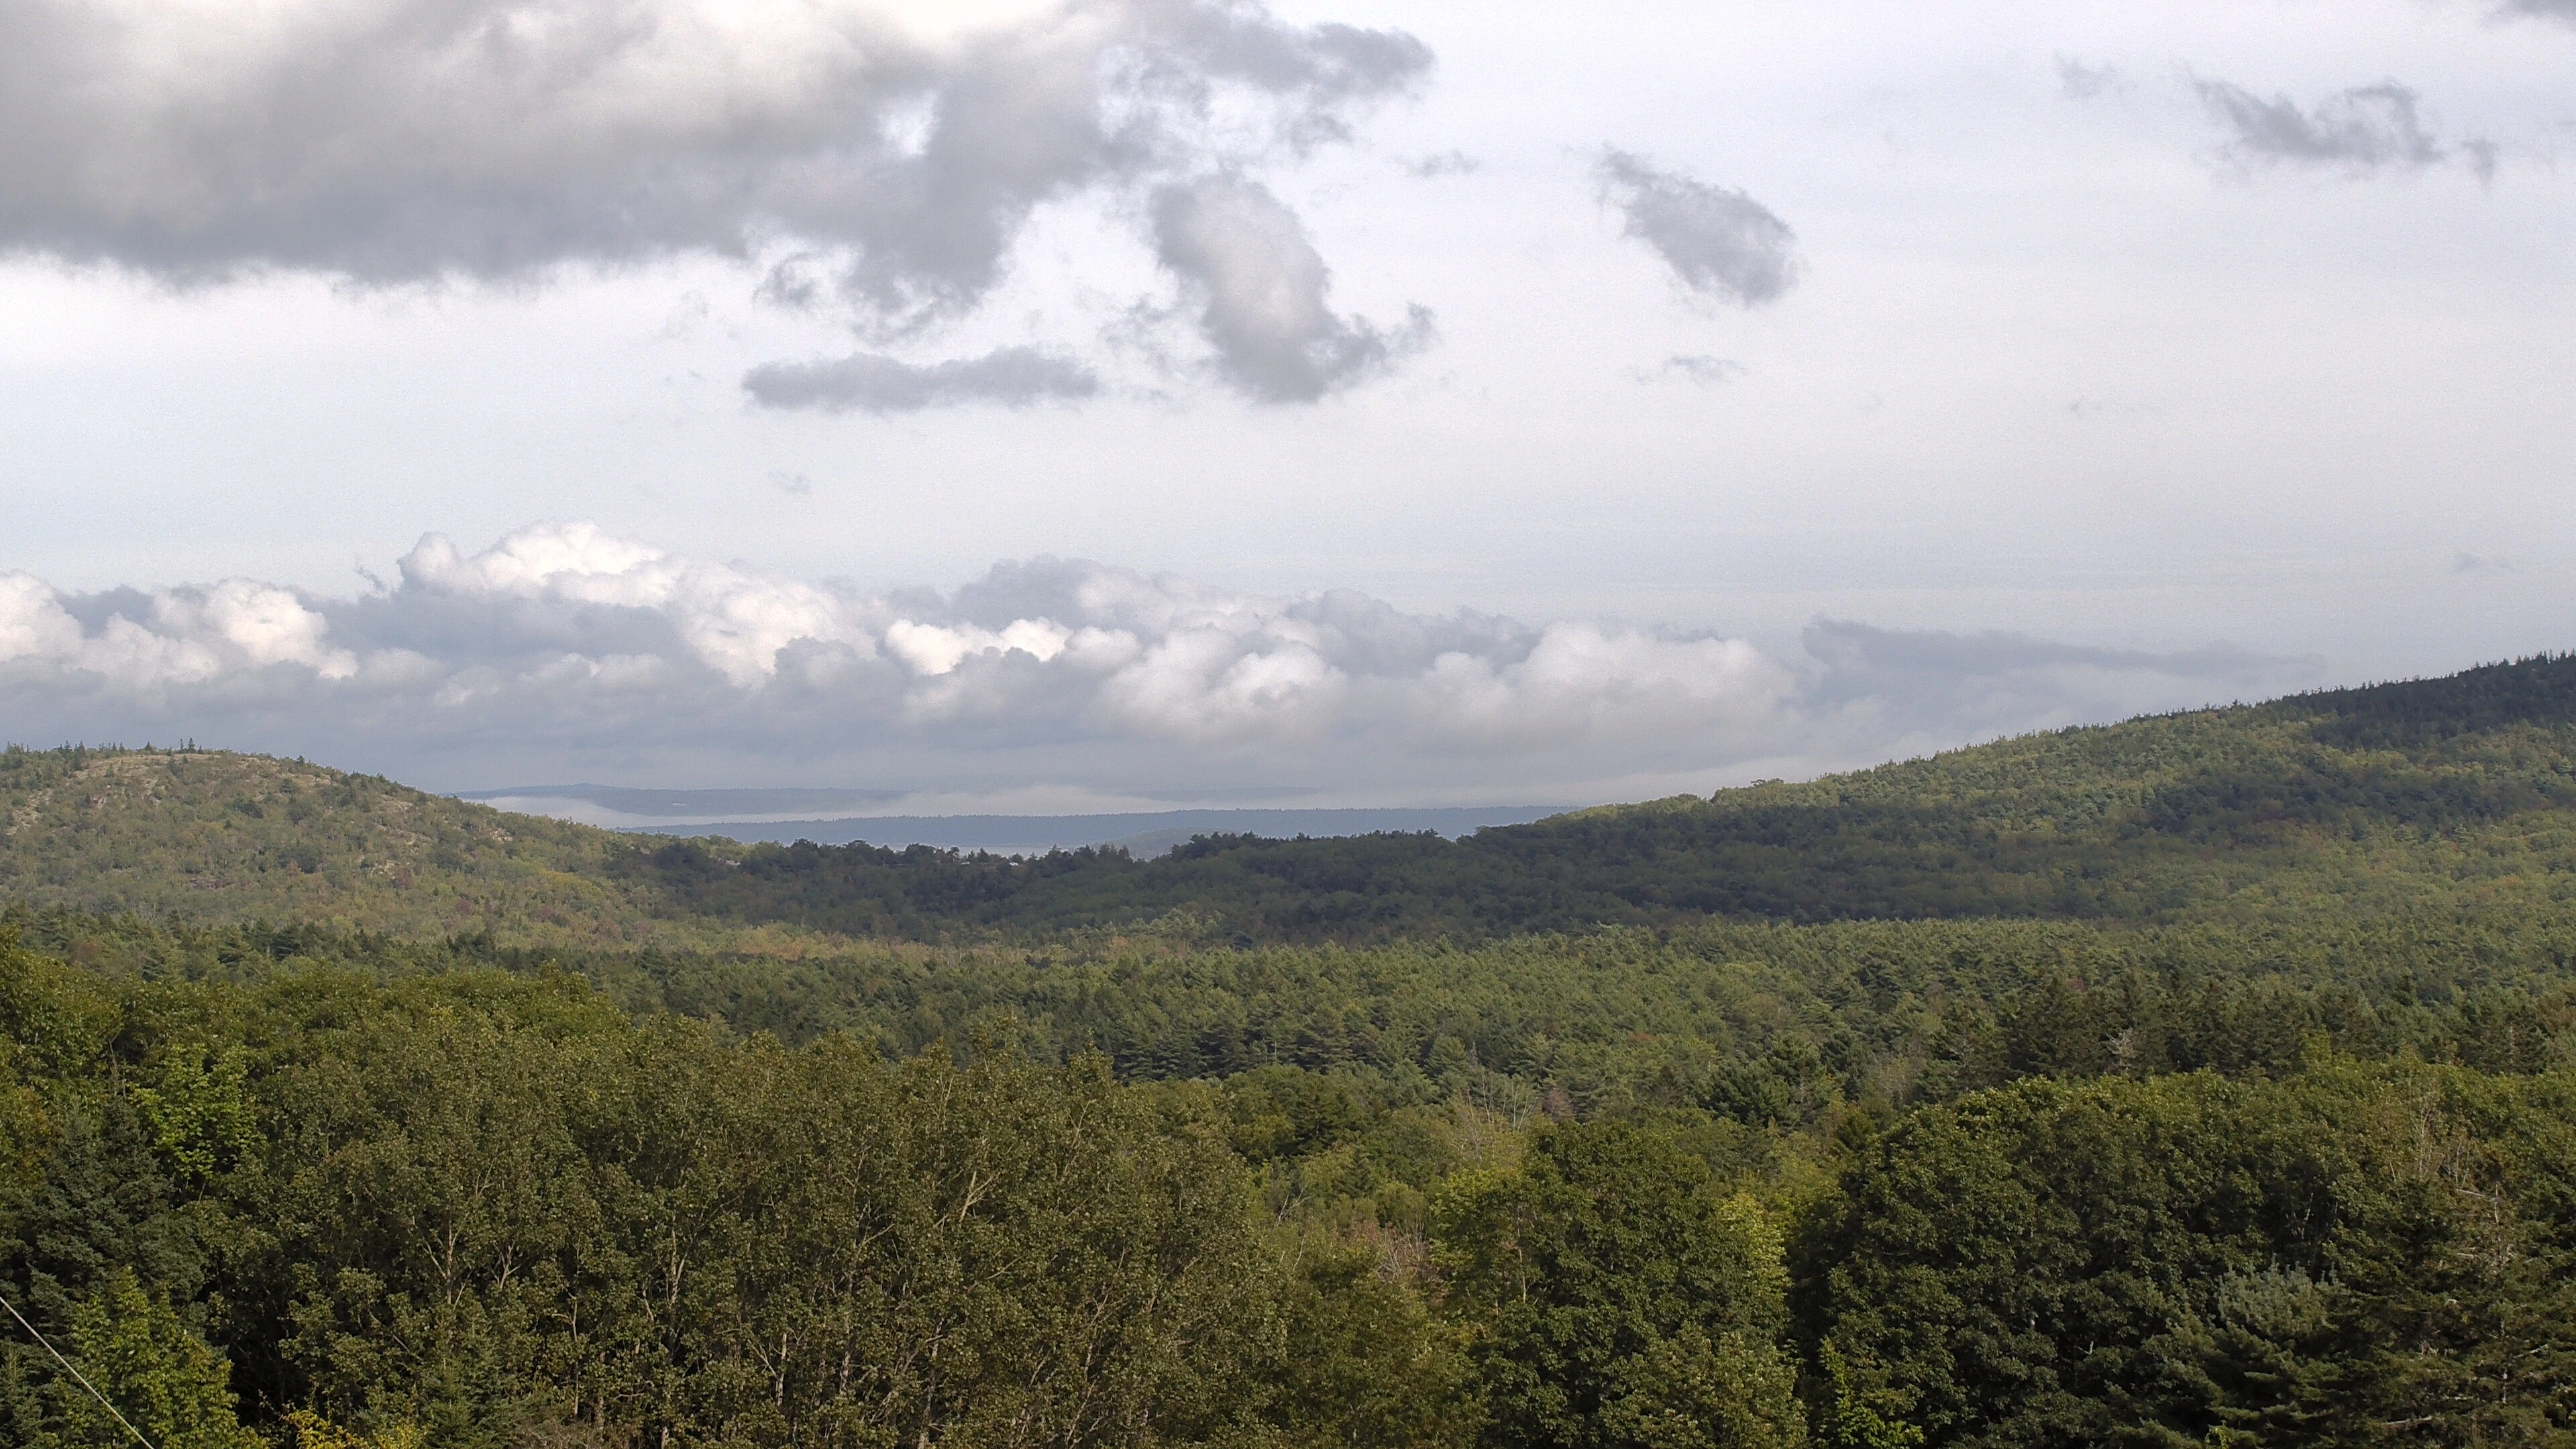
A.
x: 2367, y: 128
x: 1719, y: 242
x: 1446, y: 163
x: 1262, y: 293
x: 2078, y: 81
x: 2482, y: 154
x: 1323, y: 71
x: 413, y: 141
x: 2543, y: 9
x: 871, y: 383
x: 1700, y: 369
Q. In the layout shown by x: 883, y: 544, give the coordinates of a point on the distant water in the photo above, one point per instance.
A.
x: 699, y: 812
x: 1150, y: 833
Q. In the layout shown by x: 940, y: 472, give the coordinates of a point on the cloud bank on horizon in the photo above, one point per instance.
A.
x: 561, y: 651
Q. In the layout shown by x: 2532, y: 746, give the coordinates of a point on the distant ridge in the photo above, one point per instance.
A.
x: 844, y: 817
x: 1143, y: 833
x: 623, y: 806
x: 2442, y: 794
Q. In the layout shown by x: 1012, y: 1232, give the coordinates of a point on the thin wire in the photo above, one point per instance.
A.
x: 75, y: 1373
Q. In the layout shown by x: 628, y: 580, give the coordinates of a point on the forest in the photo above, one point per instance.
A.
x: 2208, y: 1079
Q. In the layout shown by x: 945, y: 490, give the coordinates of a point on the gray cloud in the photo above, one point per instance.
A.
x: 2482, y: 154
x: 2081, y: 82
x: 1703, y: 368
x: 870, y: 383
x: 564, y: 652
x: 1719, y: 242
x: 390, y: 142
x: 2543, y: 9
x: 2362, y: 129
x: 1262, y: 293
x: 1446, y: 163
x: 1980, y: 685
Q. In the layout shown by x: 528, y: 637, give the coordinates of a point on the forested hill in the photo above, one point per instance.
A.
x: 2449, y: 792
x: 209, y: 836
x: 2246, y: 1152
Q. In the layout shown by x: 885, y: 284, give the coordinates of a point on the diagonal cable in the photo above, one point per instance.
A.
x: 75, y: 1373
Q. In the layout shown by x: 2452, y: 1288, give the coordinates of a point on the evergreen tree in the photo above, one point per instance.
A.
x: 166, y: 1382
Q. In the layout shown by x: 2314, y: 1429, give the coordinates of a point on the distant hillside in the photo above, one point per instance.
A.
x: 2436, y: 793
x: 834, y: 817
x: 2447, y: 793
x: 201, y: 836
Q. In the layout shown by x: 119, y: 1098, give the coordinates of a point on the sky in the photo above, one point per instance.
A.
x: 1157, y: 402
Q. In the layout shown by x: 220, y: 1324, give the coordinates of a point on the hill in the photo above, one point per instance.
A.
x: 207, y: 836
x: 2443, y: 794
x: 2231, y: 1101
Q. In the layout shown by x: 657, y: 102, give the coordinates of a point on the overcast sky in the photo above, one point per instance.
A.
x: 1172, y: 401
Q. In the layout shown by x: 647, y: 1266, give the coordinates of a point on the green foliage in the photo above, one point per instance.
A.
x: 1619, y: 1301
x: 1366, y: 1365
x: 312, y: 1431
x: 163, y: 1381
x: 2435, y: 795
x: 2251, y: 813
x: 2349, y: 1253
x: 490, y: 1208
x: 201, y: 1114
x: 205, y: 836
x: 1854, y: 1415
x: 2201, y: 1080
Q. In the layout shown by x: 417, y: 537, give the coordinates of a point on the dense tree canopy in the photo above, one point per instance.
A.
x: 2343, y: 1256
x: 2434, y: 794
x: 2205, y: 1080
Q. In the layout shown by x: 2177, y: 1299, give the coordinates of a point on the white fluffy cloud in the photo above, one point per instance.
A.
x: 563, y: 650
x: 185, y: 637
x: 727, y: 621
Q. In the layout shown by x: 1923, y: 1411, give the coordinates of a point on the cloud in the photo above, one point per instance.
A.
x: 1705, y: 369
x: 867, y: 382
x: 2543, y: 9
x: 559, y: 593
x: 2363, y: 129
x: 182, y: 637
x: 1445, y: 163
x: 2482, y: 155
x: 1262, y: 293
x: 2081, y: 82
x: 877, y: 175
x: 398, y: 140
x: 1926, y: 689
x: 562, y: 651
x: 1719, y: 243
